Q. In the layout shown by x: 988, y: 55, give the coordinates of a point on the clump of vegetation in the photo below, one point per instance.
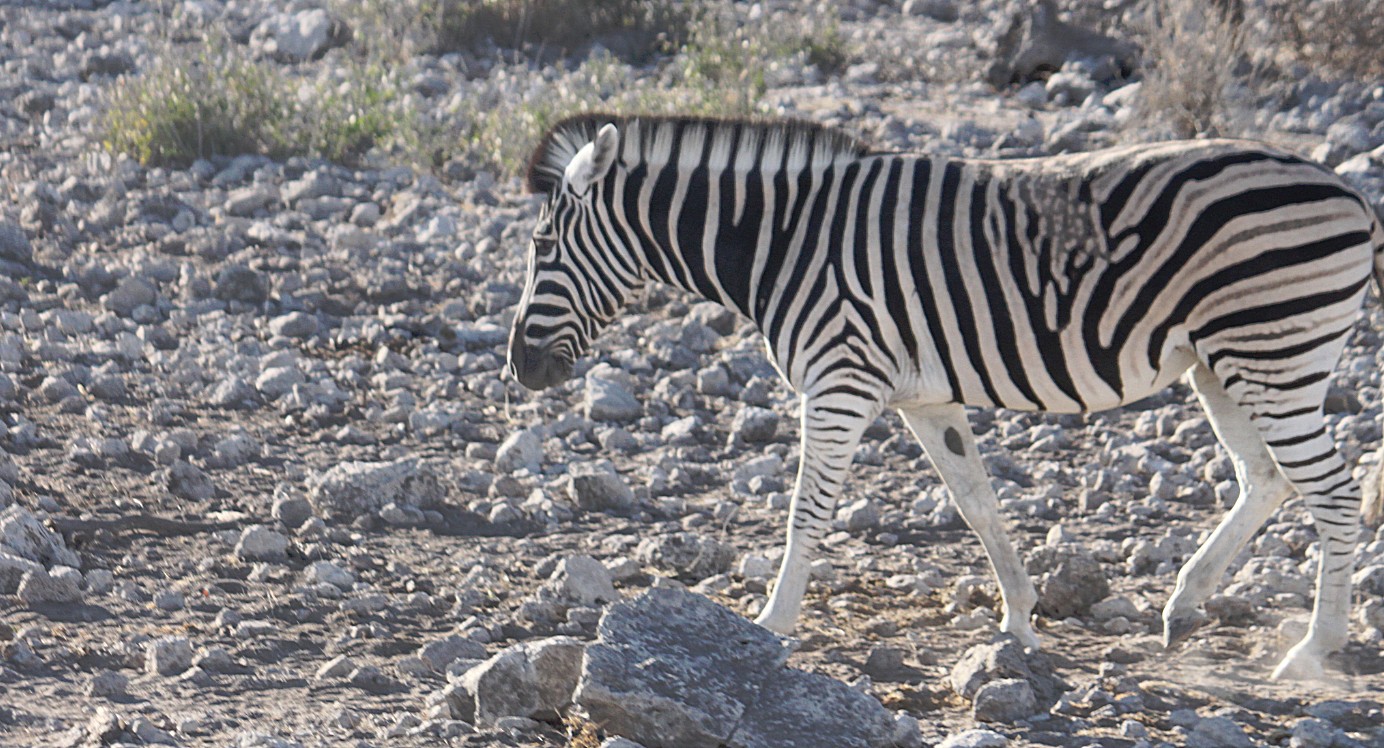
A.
x: 1342, y: 36
x: 178, y: 111
x: 223, y: 102
x: 1194, y: 50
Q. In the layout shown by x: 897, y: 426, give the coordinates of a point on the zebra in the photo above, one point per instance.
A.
x: 1069, y: 283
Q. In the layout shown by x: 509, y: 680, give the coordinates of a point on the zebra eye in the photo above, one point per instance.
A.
x: 544, y: 245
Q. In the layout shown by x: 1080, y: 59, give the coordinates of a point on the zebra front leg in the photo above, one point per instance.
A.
x: 831, y: 430
x: 946, y: 437
x: 1262, y: 490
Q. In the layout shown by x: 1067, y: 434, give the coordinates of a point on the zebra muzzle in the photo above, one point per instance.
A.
x: 534, y: 366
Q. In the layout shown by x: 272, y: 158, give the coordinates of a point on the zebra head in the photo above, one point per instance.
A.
x: 580, y: 274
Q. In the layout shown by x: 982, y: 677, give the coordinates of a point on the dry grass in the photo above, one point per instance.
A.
x: 1193, y: 49
x: 1340, y: 36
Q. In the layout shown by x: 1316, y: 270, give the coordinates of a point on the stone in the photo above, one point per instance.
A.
x: 290, y: 509
x: 14, y: 244
x: 522, y: 449
x: 607, y: 400
x: 1310, y: 732
x: 795, y: 709
x: 1069, y: 580
x: 533, y: 679
x: 167, y: 655
x: 437, y: 655
x: 337, y: 667
x: 233, y: 393
x: 581, y: 580
x: 1002, y: 659
x: 596, y: 487
x: 107, y: 684
x: 131, y: 292
x: 277, y: 381
x: 938, y: 10
x: 686, y: 554
x: 753, y: 425
x: 327, y: 572
x: 353, y: 489
x: 1004, y: 700
x: 240, y: 283
x: 187, y: 481
x: 246, y: 201
x: 294, y: 325
x: 24, y: 536
x: 298, y: 37
x: 1217, y: 732
x: 975, y: 739
x: 61, y: 584
x: 673, y: 668
x: 260, y: 543
x: 859, y: 515
x: 13, y: 569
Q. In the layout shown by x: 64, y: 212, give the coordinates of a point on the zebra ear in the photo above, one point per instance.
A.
x: 593, y: 161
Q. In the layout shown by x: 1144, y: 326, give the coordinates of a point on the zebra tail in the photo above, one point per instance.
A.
x: 1372, y: 509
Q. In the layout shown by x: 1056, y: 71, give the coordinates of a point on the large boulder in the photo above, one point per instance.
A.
x: 671, y: 668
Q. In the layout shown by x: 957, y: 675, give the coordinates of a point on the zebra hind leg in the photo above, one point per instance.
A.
x: 946, y: 437
x: 1262, y: 490
x: 1308, y: 458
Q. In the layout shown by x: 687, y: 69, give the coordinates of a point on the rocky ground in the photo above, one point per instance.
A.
x: 265, y: 483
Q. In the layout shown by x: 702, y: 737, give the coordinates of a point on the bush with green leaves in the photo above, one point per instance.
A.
x: 225, y: 103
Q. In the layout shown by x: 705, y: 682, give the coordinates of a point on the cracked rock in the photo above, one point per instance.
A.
x: 672, y: 668
x: 533, y: 679
x: 353, y: 489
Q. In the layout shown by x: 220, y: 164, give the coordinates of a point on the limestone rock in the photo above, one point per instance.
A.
x: 533, y: 679
x: 351, y: 489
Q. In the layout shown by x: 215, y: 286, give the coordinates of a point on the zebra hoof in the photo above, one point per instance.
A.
x: 1299, y: 665
x: 1177, y: 629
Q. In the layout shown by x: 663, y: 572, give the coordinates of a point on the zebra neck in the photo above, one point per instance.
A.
x: 712, y: 231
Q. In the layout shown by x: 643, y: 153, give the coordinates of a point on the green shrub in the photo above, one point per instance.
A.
x: 176, y: 111
x: 225, y: 103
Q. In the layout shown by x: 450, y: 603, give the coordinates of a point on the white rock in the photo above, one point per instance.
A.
x: 23, y: 535
x: 329, y: 573
x: 294, y: 37
x: 260, y: 543
x: 581, y: 580
x: 62, y: 585
x: 975, y: 739
x: 522, y: 449
x: 167, y: 655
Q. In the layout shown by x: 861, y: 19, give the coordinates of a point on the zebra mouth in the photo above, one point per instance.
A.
x: 536, y: 368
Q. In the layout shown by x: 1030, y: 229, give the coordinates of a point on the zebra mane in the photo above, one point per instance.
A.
x: 657, y: 137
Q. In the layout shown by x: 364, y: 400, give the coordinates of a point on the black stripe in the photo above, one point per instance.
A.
x: 917, y: 259
x: 894, y: 301
x: 992, y: 288
x: 1276, y: 311
x: 955, y: 286
x: 1273, y: 354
